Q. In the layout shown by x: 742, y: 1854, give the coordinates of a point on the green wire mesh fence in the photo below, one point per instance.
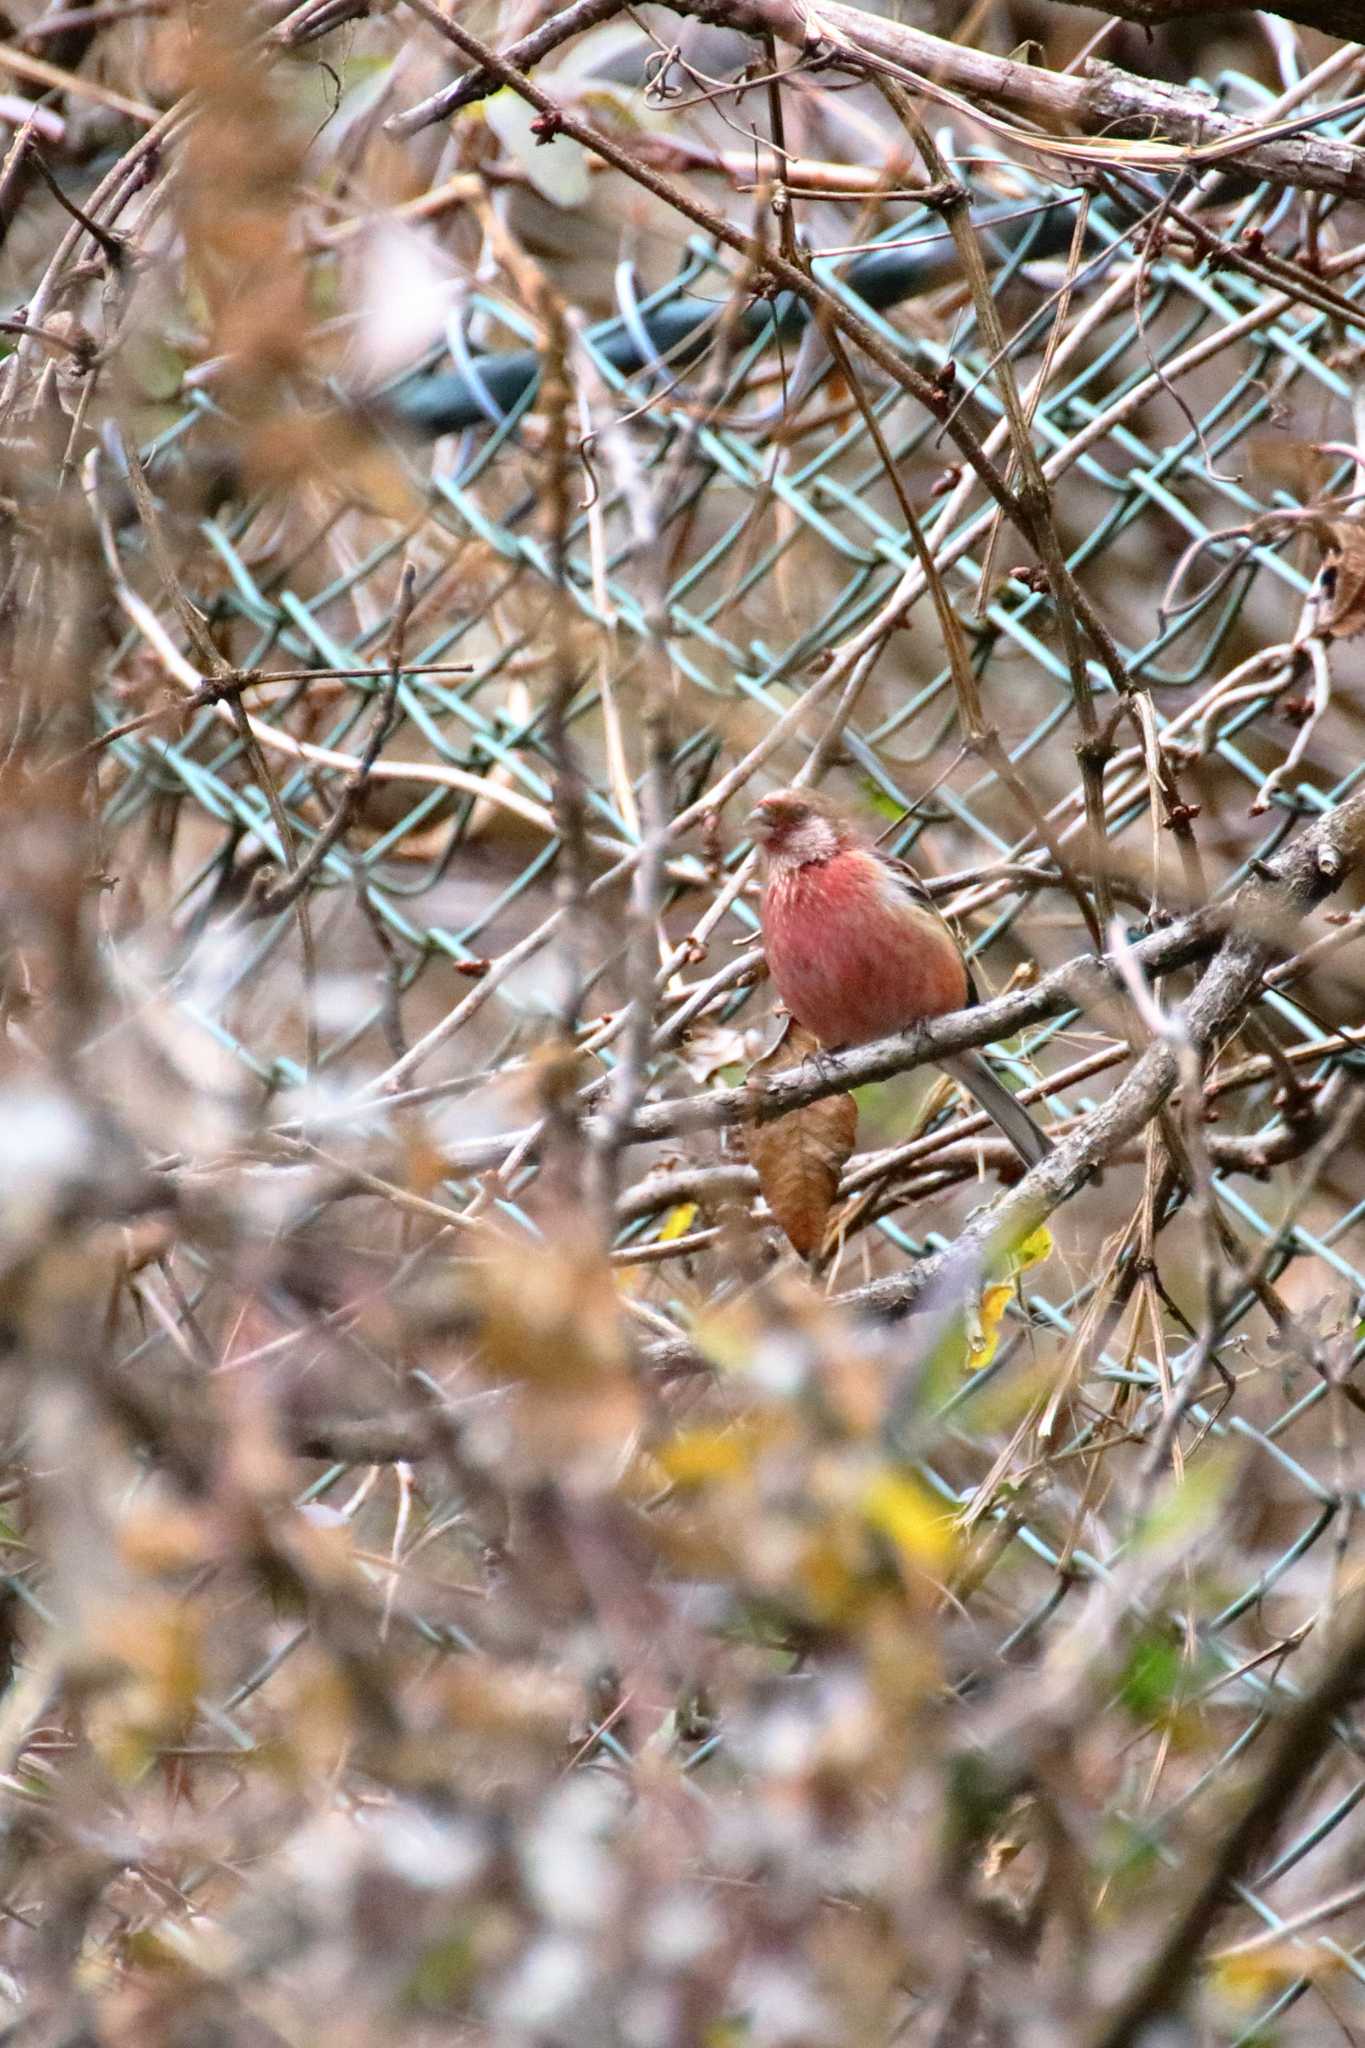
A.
x: 362, y: 976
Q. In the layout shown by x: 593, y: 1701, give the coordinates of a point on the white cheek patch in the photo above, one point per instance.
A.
x: 813, y: 839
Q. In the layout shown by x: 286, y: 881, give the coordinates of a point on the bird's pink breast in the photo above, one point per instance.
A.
x: 852, y: 956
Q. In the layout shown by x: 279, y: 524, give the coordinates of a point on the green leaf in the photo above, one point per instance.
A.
x: 1185, y: 1508
x: 1154, y: 1678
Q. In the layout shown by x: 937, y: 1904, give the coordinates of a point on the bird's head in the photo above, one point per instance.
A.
x: 796, y: 826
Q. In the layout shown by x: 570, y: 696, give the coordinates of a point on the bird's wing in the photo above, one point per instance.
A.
x: 914, y: 888
x: 910, y: 882
x: 972, y: 1068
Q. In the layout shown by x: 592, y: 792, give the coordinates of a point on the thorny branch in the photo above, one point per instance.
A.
x: 433, y: 1575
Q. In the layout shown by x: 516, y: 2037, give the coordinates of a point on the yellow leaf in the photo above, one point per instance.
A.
x: 1248, y: 1978
x: 678, y: 1222
x: 830, y: 1577
x: 147, y: 1949
x: 695, y: 1456
x: 1036, y: 1247
x: 899, y: 1508
x: 983, y: 1324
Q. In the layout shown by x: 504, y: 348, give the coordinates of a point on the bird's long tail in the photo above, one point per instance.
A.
x: 975, y: 1075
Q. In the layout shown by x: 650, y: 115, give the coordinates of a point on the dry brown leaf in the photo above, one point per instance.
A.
x: 236, y: 187
x: 1346, y: 557
x: 800, y: 1157
x: 551, y: 1331
x: 1290, y: 462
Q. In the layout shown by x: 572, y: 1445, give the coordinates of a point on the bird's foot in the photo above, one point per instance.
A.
x: 822, y: 1058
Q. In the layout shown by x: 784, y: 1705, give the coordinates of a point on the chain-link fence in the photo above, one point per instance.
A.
x: 765, y: 1670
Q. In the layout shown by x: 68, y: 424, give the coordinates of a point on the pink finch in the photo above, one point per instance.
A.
x: 856, y: 949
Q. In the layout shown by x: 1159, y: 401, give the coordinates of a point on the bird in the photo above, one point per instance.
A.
x: 856, y: 949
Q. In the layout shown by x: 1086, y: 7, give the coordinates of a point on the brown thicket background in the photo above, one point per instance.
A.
x: 465, y: 1577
